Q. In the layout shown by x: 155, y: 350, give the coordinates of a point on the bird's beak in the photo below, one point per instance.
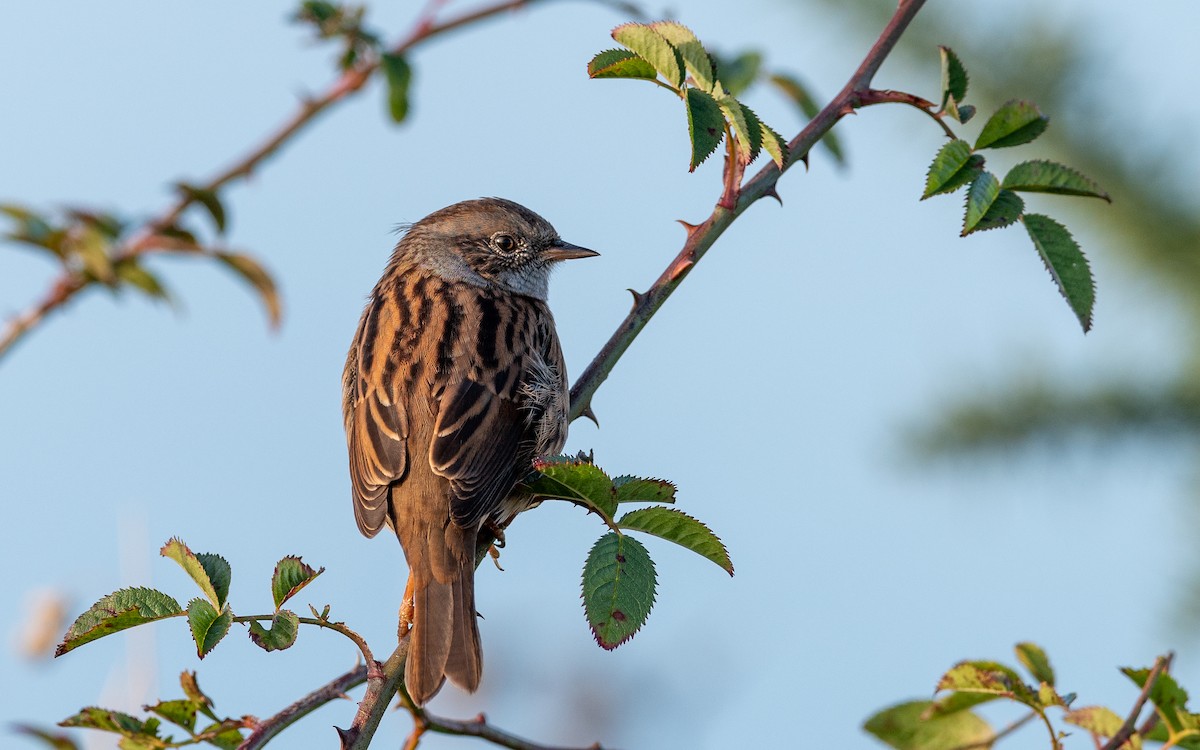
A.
x: 566, y: 251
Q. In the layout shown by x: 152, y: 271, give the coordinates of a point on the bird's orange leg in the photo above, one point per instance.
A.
x: 406, y: 609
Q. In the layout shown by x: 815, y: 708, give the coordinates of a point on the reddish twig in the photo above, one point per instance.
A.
x: 1161, y: 665
x: 267, y: 729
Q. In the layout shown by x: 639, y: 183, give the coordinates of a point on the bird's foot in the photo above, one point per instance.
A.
x: 494, y: 553
x: 406, y: 611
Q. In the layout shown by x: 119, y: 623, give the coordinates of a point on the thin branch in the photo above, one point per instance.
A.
x: 70, y: 283
x: 335, y: 689
x: 337, y: 627
x: 479, y: 727
x: 383, y: 682
x: 1161, y: 665
x: 856, y: 93
x: 990, y: 741
x: 887, y: 96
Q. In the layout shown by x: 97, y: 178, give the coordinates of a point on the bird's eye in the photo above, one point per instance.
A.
x: 504, y: 243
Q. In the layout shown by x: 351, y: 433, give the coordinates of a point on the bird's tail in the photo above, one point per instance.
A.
x: 445, y: 633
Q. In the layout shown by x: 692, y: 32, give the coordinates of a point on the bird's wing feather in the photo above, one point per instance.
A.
x: 480, y: 442
x: 376, y: 425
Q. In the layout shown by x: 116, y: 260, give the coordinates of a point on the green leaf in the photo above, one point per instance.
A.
x: 118, y: 611
x: 113, y: 721
x: 191, y: 688
x: 991, y: 678
x: 179, y: 712
x: 134, y: 274
x: 1041, y: 176
x: 695, y: 57
x: 652, y: 47
x: 737, y: 73
x: 905, y: 727
x: 198, y: 570
x: 798, y: 93
x: 677, y: 526
x: 965, y: 113
x: 1016, y: 122
x: 953, y: 166
x: 1169, y: 699
x: 207, y: 198
x: 91, y: 248
x: 982, y: 194
x: 33, y: 229
x: 1066, y: 264
x: 54, y: 741
x: 208, y: 625
x: 618, y: 588
x: 954, y: 77
x: 1034, y: 659
x: 226, y: 735
x: 775, y: 145
x: 746, y: 129
x: 282, y: 633
x: 706, y: 125
x: 620, y: 63
x: 399, y: 77
x: 1006, y: 209
x: 577, y: 481
x: 250, y: 270
x: 291, y: 575
x: 632, y: 489
x: 957, y: 702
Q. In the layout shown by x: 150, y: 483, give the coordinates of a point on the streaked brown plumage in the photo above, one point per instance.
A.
x: 454, y: 384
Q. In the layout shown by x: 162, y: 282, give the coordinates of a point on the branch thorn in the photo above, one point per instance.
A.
x: 638, y: 297
x: 773, y: 193
x: 689, y: 227
x: 587, y: 412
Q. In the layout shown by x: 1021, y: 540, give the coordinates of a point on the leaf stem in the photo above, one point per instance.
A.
x: 701, y: 236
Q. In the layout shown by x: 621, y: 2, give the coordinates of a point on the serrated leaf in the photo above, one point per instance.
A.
x: 398, y: 73
x: 652, y: 47
x: 1066, y: 264
x: 282, y: 633
x: 677, y: 526
x: 112, y: 721
x: 191, y: 688
x: 207, y: 198
x: 798, y: 93
x: 980, y: 197
x: 208, y: 625
x: 737, y: 73
x: 618, y: 588
x: 1169, y: 699
x: 291, y: 575
x: 1041, y: 176
x: 620, y: 63
x: 746, y: 129
x: 55, y: 741
x: 965, y: 113
x: 250, y: 270
x: 1005, y: 210
x: 706, y: 125
x: 631, y: 489
x: 179, y: 712
x: 219, y: 573
x: 1101, y: 722
x: 176, y: 550
x: 905, y: 727
x: 954, y: 76
x: 695, y: 57
x: 1016, y: 122
x: 584, y: 483
x: 1034, y: 659
x: 134, y: 274
x: 775, y: 145
x: 957, y: 702
x: 118, y: 611
x: 953, y: 166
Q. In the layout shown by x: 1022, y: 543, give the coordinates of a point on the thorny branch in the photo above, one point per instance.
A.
x: 700, y: 237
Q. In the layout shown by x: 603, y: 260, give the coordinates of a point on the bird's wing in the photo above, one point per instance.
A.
x: 376, y: 422
x: 481, y: 443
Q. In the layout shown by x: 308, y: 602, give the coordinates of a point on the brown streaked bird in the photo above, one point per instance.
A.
x: 454, y: 384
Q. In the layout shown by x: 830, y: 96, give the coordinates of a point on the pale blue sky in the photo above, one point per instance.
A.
x: 770, y: 388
